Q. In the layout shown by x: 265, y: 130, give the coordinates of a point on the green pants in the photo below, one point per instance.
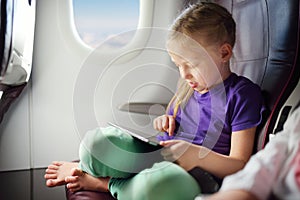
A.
x: 137, y: 169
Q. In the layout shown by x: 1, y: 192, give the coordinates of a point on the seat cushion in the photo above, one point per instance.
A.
x: 88, y: 195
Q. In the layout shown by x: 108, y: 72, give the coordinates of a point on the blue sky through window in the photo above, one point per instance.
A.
x: 97, y: 20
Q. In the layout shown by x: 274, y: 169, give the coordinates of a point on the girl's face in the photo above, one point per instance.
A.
x: 201, y: 67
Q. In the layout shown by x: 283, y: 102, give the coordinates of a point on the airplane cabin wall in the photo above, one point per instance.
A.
x: 41, y: 126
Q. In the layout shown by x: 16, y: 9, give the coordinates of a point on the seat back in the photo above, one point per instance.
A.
x: 6, y: 24
x: 16, y: 49
x: 267, y: 52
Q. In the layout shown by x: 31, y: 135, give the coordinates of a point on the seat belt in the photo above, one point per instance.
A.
x: 283, y: 117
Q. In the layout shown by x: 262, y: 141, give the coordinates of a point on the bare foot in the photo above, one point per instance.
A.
x: 80, y: 180
x: 57, y: 172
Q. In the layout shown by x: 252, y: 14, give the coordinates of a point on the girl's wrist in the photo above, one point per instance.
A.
x: 203, y: 152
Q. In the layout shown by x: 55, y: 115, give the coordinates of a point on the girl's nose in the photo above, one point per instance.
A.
x: 185, y: 73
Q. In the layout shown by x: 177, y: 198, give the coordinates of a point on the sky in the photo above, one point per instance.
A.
x: 97, y: 20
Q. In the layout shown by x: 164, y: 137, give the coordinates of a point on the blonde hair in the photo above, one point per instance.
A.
x: 208, y: 21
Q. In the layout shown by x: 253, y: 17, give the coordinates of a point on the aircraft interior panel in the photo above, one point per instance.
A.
x: 71, y: 87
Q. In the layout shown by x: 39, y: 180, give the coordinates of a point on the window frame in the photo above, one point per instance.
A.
x: 146, y: 9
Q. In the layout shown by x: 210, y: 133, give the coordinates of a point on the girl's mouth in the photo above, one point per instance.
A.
x: 193, y: 85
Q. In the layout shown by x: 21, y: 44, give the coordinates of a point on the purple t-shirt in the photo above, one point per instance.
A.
x: 209, y: 119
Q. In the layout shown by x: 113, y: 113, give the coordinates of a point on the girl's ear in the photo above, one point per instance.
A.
x: 226, y: 51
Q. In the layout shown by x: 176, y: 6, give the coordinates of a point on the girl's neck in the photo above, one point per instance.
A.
x: 224, y: 76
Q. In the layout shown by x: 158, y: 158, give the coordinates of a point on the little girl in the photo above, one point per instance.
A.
x: 209, y: 127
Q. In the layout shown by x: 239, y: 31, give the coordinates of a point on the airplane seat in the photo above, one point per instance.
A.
x: 16, y: 47
x: 266, y: 51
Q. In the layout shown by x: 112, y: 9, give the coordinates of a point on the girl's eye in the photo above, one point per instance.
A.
x: 190, y: 66
x: 179, y: 66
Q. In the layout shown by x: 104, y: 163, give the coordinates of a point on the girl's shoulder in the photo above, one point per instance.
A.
x: 236, y: 83
x: 241, y: 87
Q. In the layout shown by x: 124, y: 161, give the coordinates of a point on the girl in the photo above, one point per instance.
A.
x: 209, y: 126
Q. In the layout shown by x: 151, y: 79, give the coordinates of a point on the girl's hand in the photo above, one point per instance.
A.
x: 183, y: 153
x: 165, y: 123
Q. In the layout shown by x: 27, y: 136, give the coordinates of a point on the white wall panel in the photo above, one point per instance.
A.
x: 15, y: 135
x: 57, y: 60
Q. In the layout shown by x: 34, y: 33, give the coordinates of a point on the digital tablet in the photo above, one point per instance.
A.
x: 137, y: 134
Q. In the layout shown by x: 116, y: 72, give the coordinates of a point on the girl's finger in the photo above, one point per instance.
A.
x: 165, y: 123
x: 168, y: 143
x: 171, y: 126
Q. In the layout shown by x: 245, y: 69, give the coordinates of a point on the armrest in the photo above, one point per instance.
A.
x: 144, y: 108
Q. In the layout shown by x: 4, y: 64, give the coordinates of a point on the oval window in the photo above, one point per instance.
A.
x: 98, y: 20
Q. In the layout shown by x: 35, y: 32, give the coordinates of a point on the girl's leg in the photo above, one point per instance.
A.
x: 111, y: 152
x: 163, y: 181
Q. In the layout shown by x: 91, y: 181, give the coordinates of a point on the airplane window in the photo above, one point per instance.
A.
x: 98, y: 20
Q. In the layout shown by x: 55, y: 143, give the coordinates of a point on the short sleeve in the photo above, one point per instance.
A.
x: 246, y: 107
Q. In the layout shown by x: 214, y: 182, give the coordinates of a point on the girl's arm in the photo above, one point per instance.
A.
x: 188, y: 155
x: 230, y: 195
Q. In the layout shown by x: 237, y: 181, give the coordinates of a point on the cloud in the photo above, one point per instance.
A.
x: 113, y: 33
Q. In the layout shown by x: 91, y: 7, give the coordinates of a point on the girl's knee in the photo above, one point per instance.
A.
x: 163, y: 181
x: 96, y: 149
x: 103, y: 139
x: 109, y: 151
x: 170, y: 181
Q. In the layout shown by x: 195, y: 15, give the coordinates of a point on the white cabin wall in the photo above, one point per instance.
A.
x: 15, y: 135
x: 57, y: 60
